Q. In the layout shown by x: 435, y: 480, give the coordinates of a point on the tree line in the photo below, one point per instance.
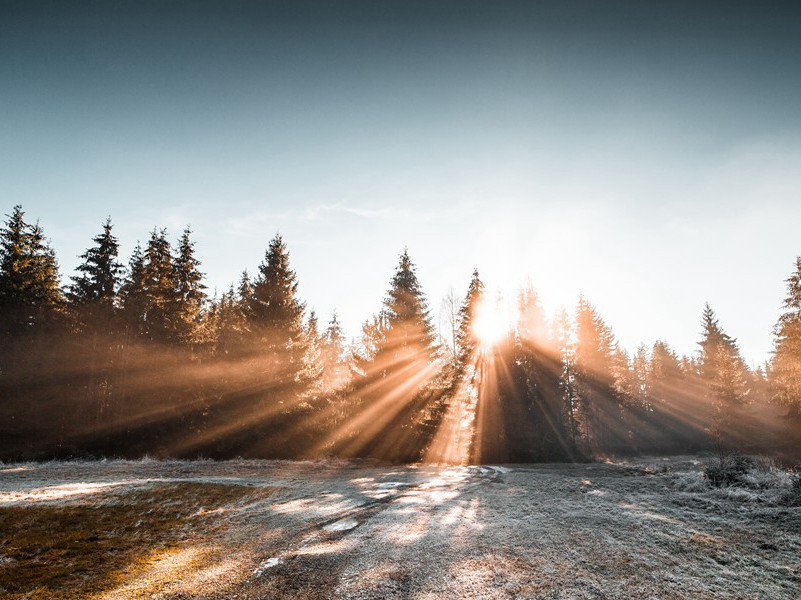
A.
x: 135, y: 359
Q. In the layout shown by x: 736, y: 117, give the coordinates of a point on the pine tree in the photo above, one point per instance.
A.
x: 466, y: 341
x: 640, y: 389
x: 724, y: 373
x: 407, y: 317
x: 785, y: 368
x: 563, y: 345
x: 336, y: 369
x: 313, y: 359
x: 30, y: 295
x: 161, y: 294
x: 531, y: 323
x: 275, y: 314
x: 93, y: 292
x: 191, y: 295
x: 133, y: 293
x: 597, y: 373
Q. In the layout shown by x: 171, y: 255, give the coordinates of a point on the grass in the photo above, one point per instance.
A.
x: 75, y: 550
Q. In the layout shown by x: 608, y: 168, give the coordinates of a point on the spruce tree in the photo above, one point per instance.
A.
x: 191, y: 295
x: 466, y: 340
x: 93, y: 292
x: 30, y: 295
x: 314, y: 366
x: 531, y: 322
x: 785, y: 368
x: 408, y: 323
x: 275, y: 314
x: 724, y: 374
x: 564, y: 348
x: 133, y: 293
x: 597, y: 368
x: 162, y: 318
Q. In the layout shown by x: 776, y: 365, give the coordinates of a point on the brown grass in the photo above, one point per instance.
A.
x: 74, y: 550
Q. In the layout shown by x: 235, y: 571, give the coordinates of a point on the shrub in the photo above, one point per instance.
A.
x: 792, y: 496
x: 729, y: 470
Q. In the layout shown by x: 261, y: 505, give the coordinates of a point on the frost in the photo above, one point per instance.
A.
x: 342, y: 525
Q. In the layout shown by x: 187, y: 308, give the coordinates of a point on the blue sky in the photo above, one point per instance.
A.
x: 646, y: 155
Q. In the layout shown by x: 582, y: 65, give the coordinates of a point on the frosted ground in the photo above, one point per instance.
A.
x: 650, y: 528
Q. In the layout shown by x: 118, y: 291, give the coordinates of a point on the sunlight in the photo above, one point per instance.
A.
x: 490, y: 326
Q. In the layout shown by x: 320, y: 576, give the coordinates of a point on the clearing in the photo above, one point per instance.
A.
x: 648, y: 528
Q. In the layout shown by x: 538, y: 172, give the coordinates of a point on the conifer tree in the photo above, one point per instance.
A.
x: 640, y: 392
x: 191, y: 295
x: 161, y: 294
x: 93, y: 292
x: 336, y: 370
x: 407, y: 317
x: 596, y: 373
x: 274, y: 312
x: 724, y: 374
x: 29, y: 281
x: 133, y: 293
x: 563, y: 345
x: 531, y: 322
x: 466, y: 341
x: 785, y: 368
x: 314, y: 366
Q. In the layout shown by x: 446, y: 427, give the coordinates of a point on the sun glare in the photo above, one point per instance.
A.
x: 489, y: 325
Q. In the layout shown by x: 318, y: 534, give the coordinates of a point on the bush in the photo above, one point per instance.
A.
x: 729, y: 470
x: 792, y: 496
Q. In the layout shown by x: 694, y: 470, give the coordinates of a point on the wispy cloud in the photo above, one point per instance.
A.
x: 315, y: 212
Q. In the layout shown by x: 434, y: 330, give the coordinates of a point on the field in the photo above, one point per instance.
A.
x: 650, y: 528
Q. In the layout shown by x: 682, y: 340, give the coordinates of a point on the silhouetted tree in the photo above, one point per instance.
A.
x: 597, y: 375
x: 93, y: 293
x: 724, y: 374
x: 30, y: 294
x: 191, y: 295
x: 275, y: 314
x: 133, y: 295
x: 466, y: 339
x: 785, y: 367
x: 162, y: 303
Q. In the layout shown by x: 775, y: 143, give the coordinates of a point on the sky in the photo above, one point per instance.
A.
x: 645, y: 154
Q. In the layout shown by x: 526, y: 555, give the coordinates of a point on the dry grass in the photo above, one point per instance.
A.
x: 78, y: 550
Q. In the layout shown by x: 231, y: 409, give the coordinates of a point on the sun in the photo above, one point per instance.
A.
x: 489, y: 326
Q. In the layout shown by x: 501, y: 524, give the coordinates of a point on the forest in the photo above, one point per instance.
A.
x: 128, y: 360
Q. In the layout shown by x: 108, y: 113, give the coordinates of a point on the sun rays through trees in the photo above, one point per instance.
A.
x: 138, y: 359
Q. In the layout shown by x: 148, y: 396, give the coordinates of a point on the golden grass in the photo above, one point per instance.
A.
x: 78, y: 550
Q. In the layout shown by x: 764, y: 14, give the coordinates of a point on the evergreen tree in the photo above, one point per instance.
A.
x: 724, y: 374
x: 597, y: 370
x: 466, y: 341
x: 785, y: 368
x: 93, y: 292
x: 274, y: 312
x: 531, y: 323
x: 336, y: 369
x: 29, y: 281
x: 408, y: 324
x: 314, y: 352
x: 162, y: 319
x: 191, y: 295
x: 133, y: 295
x: 564, y: 348
x: 640, y: 389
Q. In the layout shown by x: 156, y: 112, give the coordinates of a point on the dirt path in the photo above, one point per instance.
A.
x: 260, y: 529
